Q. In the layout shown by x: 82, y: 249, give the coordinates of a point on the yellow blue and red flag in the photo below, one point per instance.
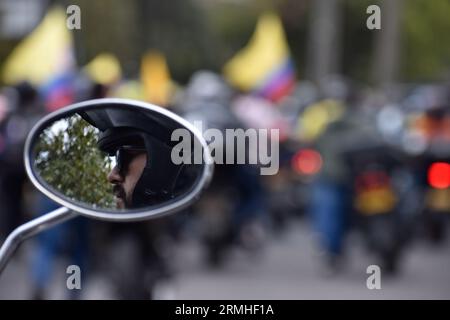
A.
x: 45, y: 53
x: 264, y: 67
x: 155, y: 78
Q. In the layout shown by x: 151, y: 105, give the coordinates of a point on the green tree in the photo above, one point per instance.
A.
x: 426, y: 46
x: 67, y: 159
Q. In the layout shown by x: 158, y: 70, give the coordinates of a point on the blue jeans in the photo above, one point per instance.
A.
x: 328, y: 213
x: 70, y: 236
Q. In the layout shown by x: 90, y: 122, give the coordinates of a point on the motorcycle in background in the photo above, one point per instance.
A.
x: 377, y: 203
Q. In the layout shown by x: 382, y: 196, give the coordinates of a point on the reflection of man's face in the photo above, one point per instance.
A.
x: 125, y: 180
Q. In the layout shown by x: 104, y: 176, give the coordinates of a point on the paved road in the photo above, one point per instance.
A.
x: 288, y: 268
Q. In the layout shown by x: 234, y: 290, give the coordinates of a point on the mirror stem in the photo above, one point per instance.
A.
x: 29, y: 229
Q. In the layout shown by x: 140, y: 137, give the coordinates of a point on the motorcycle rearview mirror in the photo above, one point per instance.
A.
x: 112, y: 159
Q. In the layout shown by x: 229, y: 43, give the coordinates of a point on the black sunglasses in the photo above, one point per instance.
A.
x: 125, y: 154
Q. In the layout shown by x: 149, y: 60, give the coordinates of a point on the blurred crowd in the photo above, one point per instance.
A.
x: 352, y: 159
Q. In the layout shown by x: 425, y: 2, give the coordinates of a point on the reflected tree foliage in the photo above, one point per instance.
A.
x: 67, y: 158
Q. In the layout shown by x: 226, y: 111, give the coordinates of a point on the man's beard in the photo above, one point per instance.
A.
x: 121, y: 197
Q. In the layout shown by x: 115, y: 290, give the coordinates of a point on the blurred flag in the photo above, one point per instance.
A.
x: 59, y: 91
x: 256, y: 112
x: 43, y: 54
x: 104, y: 69
x: 316, y: 118
x: 264, y: 66
x: 128, y: 89
x: 155, y: 78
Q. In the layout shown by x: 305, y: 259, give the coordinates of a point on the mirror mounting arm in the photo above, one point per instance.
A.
x: 31, y: 228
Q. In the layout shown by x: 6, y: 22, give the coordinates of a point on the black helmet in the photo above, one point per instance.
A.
x: 160, y: 178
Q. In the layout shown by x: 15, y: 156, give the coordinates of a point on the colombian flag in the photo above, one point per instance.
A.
x: 59, y: 91
x: 155, y: 78
x: 46, y: 59
x: 264, y: 66
x: 44, y: 54
x: 104, y: 69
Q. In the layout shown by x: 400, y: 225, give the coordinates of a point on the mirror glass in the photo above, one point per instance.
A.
x: 118, y: 157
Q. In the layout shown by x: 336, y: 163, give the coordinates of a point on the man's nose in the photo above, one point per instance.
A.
x: 114, y: 176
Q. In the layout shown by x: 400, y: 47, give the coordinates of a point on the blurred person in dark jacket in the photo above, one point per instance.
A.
x: 25, y: 110
x: 329, y: 196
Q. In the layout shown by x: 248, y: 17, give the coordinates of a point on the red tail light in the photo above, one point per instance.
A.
x: 307, y: 162
x: 371, y: 180
x: 439, y: 175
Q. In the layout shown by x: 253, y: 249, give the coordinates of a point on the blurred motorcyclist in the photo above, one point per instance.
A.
x: 435, y: 164
x: 329, y: 191
x: 232, y: 207
x: 24, y: 110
